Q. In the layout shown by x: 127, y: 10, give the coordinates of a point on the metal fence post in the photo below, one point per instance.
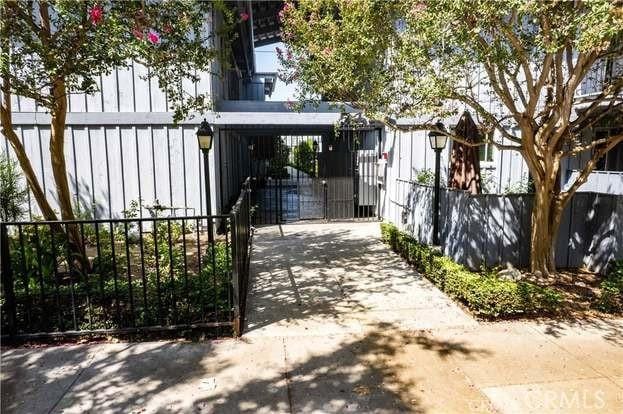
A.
x: 326, y: 202
x: 235, y: 274
x: 7, y: 280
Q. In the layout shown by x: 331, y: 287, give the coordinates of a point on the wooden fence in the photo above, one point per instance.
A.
x: 494, y: 229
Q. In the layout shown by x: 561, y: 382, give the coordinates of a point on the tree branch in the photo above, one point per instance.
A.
x: 458, y: 138
x: 486, y: 114
x: 9, y: 132
x: 535, y: 92
x: 520, y: 51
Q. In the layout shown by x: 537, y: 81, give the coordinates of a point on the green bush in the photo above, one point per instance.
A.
x: 484, y: 294
x: 304, y: 157
x: 610, y: 299
x: 13, y: 195
x: 161, y: 282
x: 425, y: 176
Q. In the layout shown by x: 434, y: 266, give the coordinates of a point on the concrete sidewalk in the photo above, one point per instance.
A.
x: 337, y: 323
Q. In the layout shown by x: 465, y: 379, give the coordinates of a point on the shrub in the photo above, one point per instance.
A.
x: 484, y: 294
x: 610, y: 299
x: 161, y: 282
x: 425, y: 176
x: 13, y: 195
x: 523, y: 186
x: 304, y: 157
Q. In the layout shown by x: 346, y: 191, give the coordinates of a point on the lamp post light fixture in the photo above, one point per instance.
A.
x: 438, y: 140
x: 251, y: 147
x: 205, y: 137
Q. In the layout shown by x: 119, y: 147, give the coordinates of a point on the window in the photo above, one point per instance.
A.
x: 613, y: 160
x: 485, y: 151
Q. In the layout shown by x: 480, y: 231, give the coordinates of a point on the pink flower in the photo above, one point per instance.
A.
x: 244, y: 16
x: 153, y: 37
x: 167, y: 28
x: 418, y: 8
x: 284, y: 10
x: 96, y: 14
x: 327, y: 51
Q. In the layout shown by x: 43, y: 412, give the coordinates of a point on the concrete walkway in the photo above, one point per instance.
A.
x: 336, y: 323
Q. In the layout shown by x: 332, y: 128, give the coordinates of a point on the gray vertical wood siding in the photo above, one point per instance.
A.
x: 112, y: 160
x: 110, y: 166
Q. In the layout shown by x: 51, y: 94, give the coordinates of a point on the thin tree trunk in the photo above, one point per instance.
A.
x: 59, y: 170
x: 546, y: 216
x: 31, y: 178
x: 57, y: 151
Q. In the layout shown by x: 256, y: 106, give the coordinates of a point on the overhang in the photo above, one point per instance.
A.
x: 227, y: 114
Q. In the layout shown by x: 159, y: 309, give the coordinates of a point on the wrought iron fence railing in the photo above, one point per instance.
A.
x: 125, y: 275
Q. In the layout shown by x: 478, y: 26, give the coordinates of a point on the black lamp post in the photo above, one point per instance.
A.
x: 205, y: 136
x: 438, y: 141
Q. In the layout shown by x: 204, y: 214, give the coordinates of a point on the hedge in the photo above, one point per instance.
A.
x: 610, y: 299
x: 486, y: 295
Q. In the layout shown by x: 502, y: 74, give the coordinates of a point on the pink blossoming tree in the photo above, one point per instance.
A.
x: 52, y: 49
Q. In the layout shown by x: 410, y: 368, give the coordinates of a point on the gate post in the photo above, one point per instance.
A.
x: 326, y: 205
x: 7, y: 279
x: 235, y: 274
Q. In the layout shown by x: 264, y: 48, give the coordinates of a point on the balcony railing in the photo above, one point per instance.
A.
x: 608, y: 182
x: 598, y: 76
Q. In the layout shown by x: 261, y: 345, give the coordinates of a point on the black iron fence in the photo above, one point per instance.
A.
x: 125, y: 275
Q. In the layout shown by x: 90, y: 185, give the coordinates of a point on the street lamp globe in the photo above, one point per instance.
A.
x: 438, y: 139
x: 205, y: 136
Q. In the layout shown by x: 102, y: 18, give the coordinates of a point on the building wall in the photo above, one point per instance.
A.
x: 121, y: 145
x: 109, y: 166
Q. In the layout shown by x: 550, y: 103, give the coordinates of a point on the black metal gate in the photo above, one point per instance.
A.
x: 328, y: 176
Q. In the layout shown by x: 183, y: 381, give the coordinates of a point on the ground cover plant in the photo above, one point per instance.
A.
x: 610, y: 299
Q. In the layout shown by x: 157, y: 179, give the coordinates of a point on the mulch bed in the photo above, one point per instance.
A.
x: 580, y: 288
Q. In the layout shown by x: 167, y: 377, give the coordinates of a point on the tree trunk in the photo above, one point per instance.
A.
x: 57, y: 151
x: 24, y: 162
x: 546, y: 215
x: 59, y: 170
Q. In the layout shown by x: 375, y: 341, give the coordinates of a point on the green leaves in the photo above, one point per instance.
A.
x: 485, y: 295
x: 13, y: 195
x: 404, y: 57
x: 90, y: 38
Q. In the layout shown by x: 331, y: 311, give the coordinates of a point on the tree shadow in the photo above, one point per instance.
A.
x: 104, y: 377
x: 381, y: 371
x: 373, y: 373
x: 610, y: 329
x: 322, y: 273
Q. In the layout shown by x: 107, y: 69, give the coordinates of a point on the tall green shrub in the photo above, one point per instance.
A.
x: 13, y: 194
x: 304, y: 157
